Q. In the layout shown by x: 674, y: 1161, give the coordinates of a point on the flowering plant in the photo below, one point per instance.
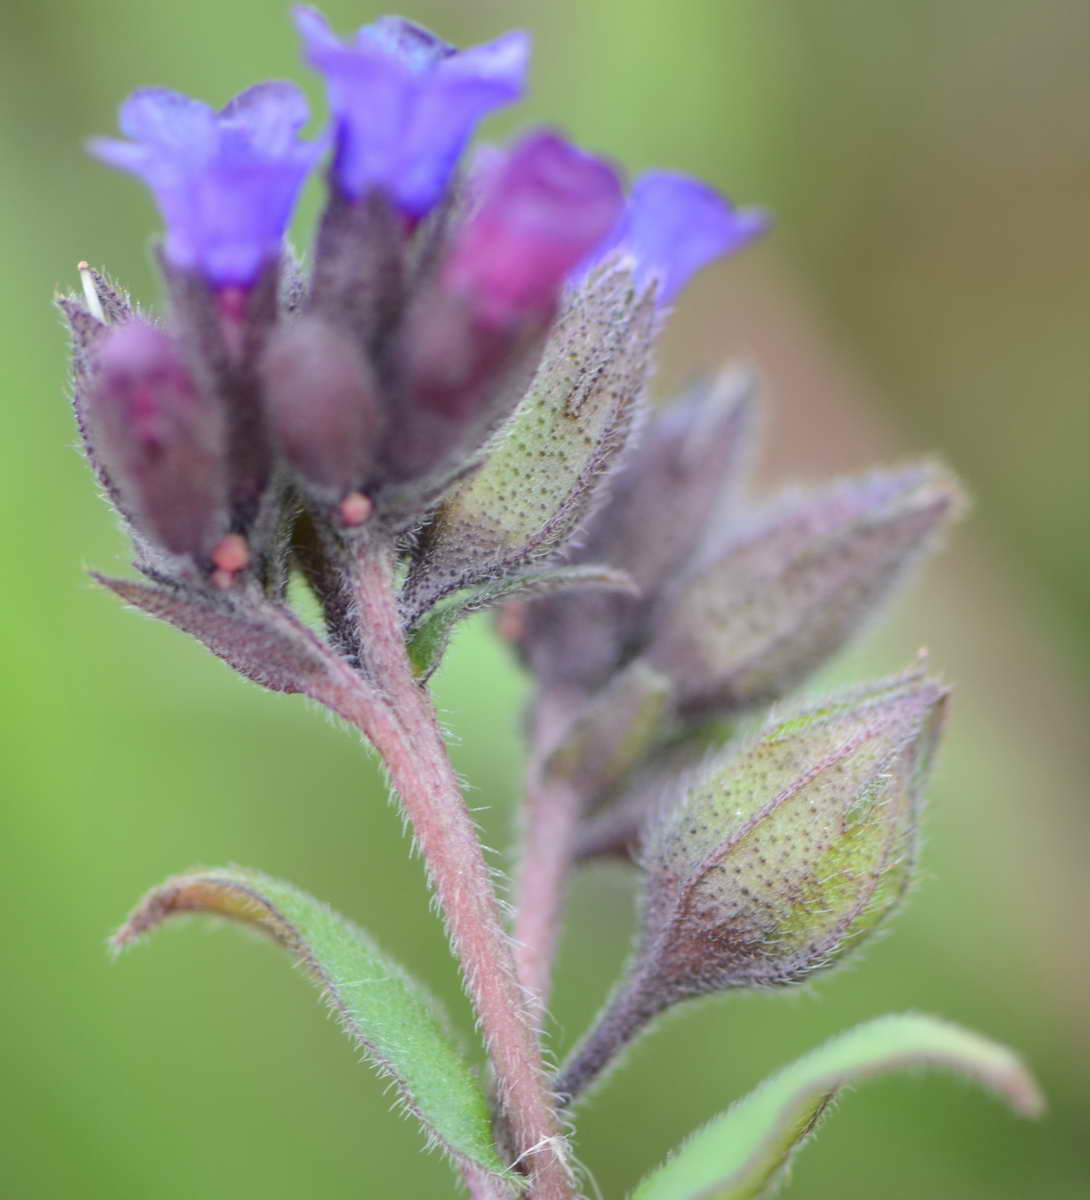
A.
x: 447, y: 411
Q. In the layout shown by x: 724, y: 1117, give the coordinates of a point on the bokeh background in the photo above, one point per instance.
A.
x: 927, y: 287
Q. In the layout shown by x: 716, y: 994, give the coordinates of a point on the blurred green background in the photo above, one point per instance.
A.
x: 927, y: 288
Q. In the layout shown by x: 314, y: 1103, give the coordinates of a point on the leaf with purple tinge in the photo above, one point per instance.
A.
x: 743, y: 1154
x: 266, y: 644
x: 385, y: 1012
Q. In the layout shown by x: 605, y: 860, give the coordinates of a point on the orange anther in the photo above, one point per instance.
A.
x: 355, y: 508
x: 232, y: 554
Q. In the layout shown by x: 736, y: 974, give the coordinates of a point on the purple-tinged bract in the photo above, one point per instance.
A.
x: 226, y: 182
x: 542, y: 207
x: 405, y: 102
x: 673, y: 226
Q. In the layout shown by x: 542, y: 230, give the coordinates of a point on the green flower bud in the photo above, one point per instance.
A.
x: 778, y: 861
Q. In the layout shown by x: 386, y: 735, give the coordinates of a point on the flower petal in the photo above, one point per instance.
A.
x: 269, y: 114
x: 169, y: 121
x: 673, y: 225
x: 406, y: 103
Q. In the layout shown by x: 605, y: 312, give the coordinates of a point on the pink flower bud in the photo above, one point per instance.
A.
x: 322, y: 409
x: 160, y: 439
x: 543, y: 207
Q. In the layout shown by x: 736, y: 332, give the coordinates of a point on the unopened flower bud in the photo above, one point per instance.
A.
x: 778, y: 861
x: 322, y: 409
x: 472, y: 338
x: 542, y: 209
x: 160, y: 439
x: 674, y: 487
x: 751, y: 623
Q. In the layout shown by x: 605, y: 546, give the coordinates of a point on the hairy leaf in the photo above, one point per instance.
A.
x: 742, y: 1154
x: 265, y: 643
x: 383, y: 1010
x: 429, y: 639
x: 541, y: 478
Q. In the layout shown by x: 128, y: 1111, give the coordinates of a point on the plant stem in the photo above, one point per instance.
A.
x: 404, y: 730
x: 627, y: 1014
x: 552, y: 811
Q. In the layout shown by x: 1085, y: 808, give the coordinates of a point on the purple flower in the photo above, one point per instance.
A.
x: 225, y: 182
x: 405, y: 103
x: 541, y: 207
x: 674, y: 225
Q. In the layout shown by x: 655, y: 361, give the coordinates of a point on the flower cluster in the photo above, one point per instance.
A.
x: 366, y: 388
x: 446, y: 411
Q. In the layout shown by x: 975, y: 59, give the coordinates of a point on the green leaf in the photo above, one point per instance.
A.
x: 429, y: 639
x: 742, y: 1154
x: 383, y: 1010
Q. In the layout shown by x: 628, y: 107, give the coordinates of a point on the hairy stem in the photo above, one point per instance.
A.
x: 627, y: 1014
x: 404, y: 730
x: 552, y: 814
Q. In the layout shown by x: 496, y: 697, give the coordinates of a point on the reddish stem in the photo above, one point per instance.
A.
x: 552, y: 813
x: 403, y: 728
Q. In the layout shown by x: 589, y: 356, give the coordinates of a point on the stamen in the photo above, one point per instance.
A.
x: 90, y: 292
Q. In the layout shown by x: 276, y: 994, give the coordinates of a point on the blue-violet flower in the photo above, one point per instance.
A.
x: 405, y: 102
x: 673, y: 225
x: 225, y: 182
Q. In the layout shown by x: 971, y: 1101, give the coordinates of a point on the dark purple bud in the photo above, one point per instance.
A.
x: 753, y: 621
x: 471, y: 340
x: 779, y: 859
x: 223, y: 332
x: 456, y: 380
x: 160, y: 440
x: 405, y: 103
x: 678, y: 484
x: 320, y: 399
x: 673, y: 225
x: 540, y: 210
x: 360, y: 266
x: 226, y: 182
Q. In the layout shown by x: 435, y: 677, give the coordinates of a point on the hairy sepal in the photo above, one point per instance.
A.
x: 430, y: 636
x: 384, y: 1011
x: 750, y: 624
x: 263, y: 642
x: 613, y: 733
x: 542, y: 477
x: 743, y: 1154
